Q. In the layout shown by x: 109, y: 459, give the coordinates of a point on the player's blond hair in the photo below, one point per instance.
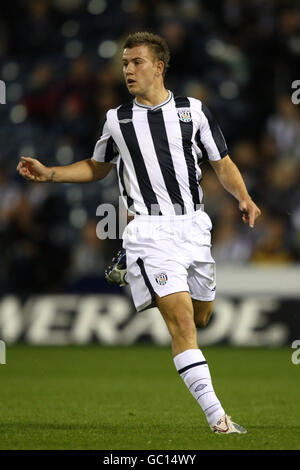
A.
x: 156, y: 43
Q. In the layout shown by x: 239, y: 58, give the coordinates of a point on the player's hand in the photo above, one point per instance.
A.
x: 250, y: 211
x: 33, y: 170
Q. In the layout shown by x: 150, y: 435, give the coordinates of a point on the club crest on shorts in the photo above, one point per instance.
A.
x: 184, y: 115
x: 161, y: 279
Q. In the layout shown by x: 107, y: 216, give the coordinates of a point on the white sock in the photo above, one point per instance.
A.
x: 193, y: 369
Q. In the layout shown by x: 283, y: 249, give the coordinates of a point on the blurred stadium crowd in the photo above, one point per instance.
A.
x: 60, y: 61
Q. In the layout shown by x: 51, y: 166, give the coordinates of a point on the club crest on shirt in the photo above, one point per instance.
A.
x: 184, y: 115
x: 161, y: 279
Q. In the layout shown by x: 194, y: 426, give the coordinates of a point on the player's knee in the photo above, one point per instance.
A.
x: 202, y: 318
x: 182, y: 326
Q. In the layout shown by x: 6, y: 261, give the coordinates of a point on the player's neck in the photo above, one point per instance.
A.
x: 153, y: 97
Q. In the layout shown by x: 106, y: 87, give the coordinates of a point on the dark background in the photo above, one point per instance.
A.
x: 60, y: 61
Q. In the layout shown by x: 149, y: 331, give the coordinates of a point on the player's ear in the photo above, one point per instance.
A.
x: 160, y: 68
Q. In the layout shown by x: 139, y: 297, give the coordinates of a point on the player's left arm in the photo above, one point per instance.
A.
x: 232, y: 180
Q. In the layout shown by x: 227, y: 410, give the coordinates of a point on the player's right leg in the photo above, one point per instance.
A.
x: 117, y: 271
x: 202, y: 311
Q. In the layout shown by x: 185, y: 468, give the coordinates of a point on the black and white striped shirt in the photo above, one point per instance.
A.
x: 158, y: 151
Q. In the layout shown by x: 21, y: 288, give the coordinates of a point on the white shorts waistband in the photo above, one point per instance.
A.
x: 162, y: 218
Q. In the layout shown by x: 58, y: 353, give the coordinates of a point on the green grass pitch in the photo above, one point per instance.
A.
x: 95, y: 397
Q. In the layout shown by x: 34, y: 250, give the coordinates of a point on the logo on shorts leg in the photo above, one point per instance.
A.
x: 161, y: 278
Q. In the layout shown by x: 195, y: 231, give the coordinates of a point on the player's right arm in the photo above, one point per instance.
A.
x: 104, y: 158
x: 83, y: 171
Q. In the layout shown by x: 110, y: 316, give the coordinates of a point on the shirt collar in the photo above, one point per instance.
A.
x: 153, y: 108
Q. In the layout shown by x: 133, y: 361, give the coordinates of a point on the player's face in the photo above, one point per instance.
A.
x: 139, y: 69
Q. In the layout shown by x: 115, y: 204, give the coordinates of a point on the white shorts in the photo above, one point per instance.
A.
x: 168, y: 254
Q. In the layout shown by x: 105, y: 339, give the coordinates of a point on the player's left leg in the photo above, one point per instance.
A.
x: 178, y: 313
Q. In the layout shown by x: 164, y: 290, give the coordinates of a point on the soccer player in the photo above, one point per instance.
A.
x: 157, y: 142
